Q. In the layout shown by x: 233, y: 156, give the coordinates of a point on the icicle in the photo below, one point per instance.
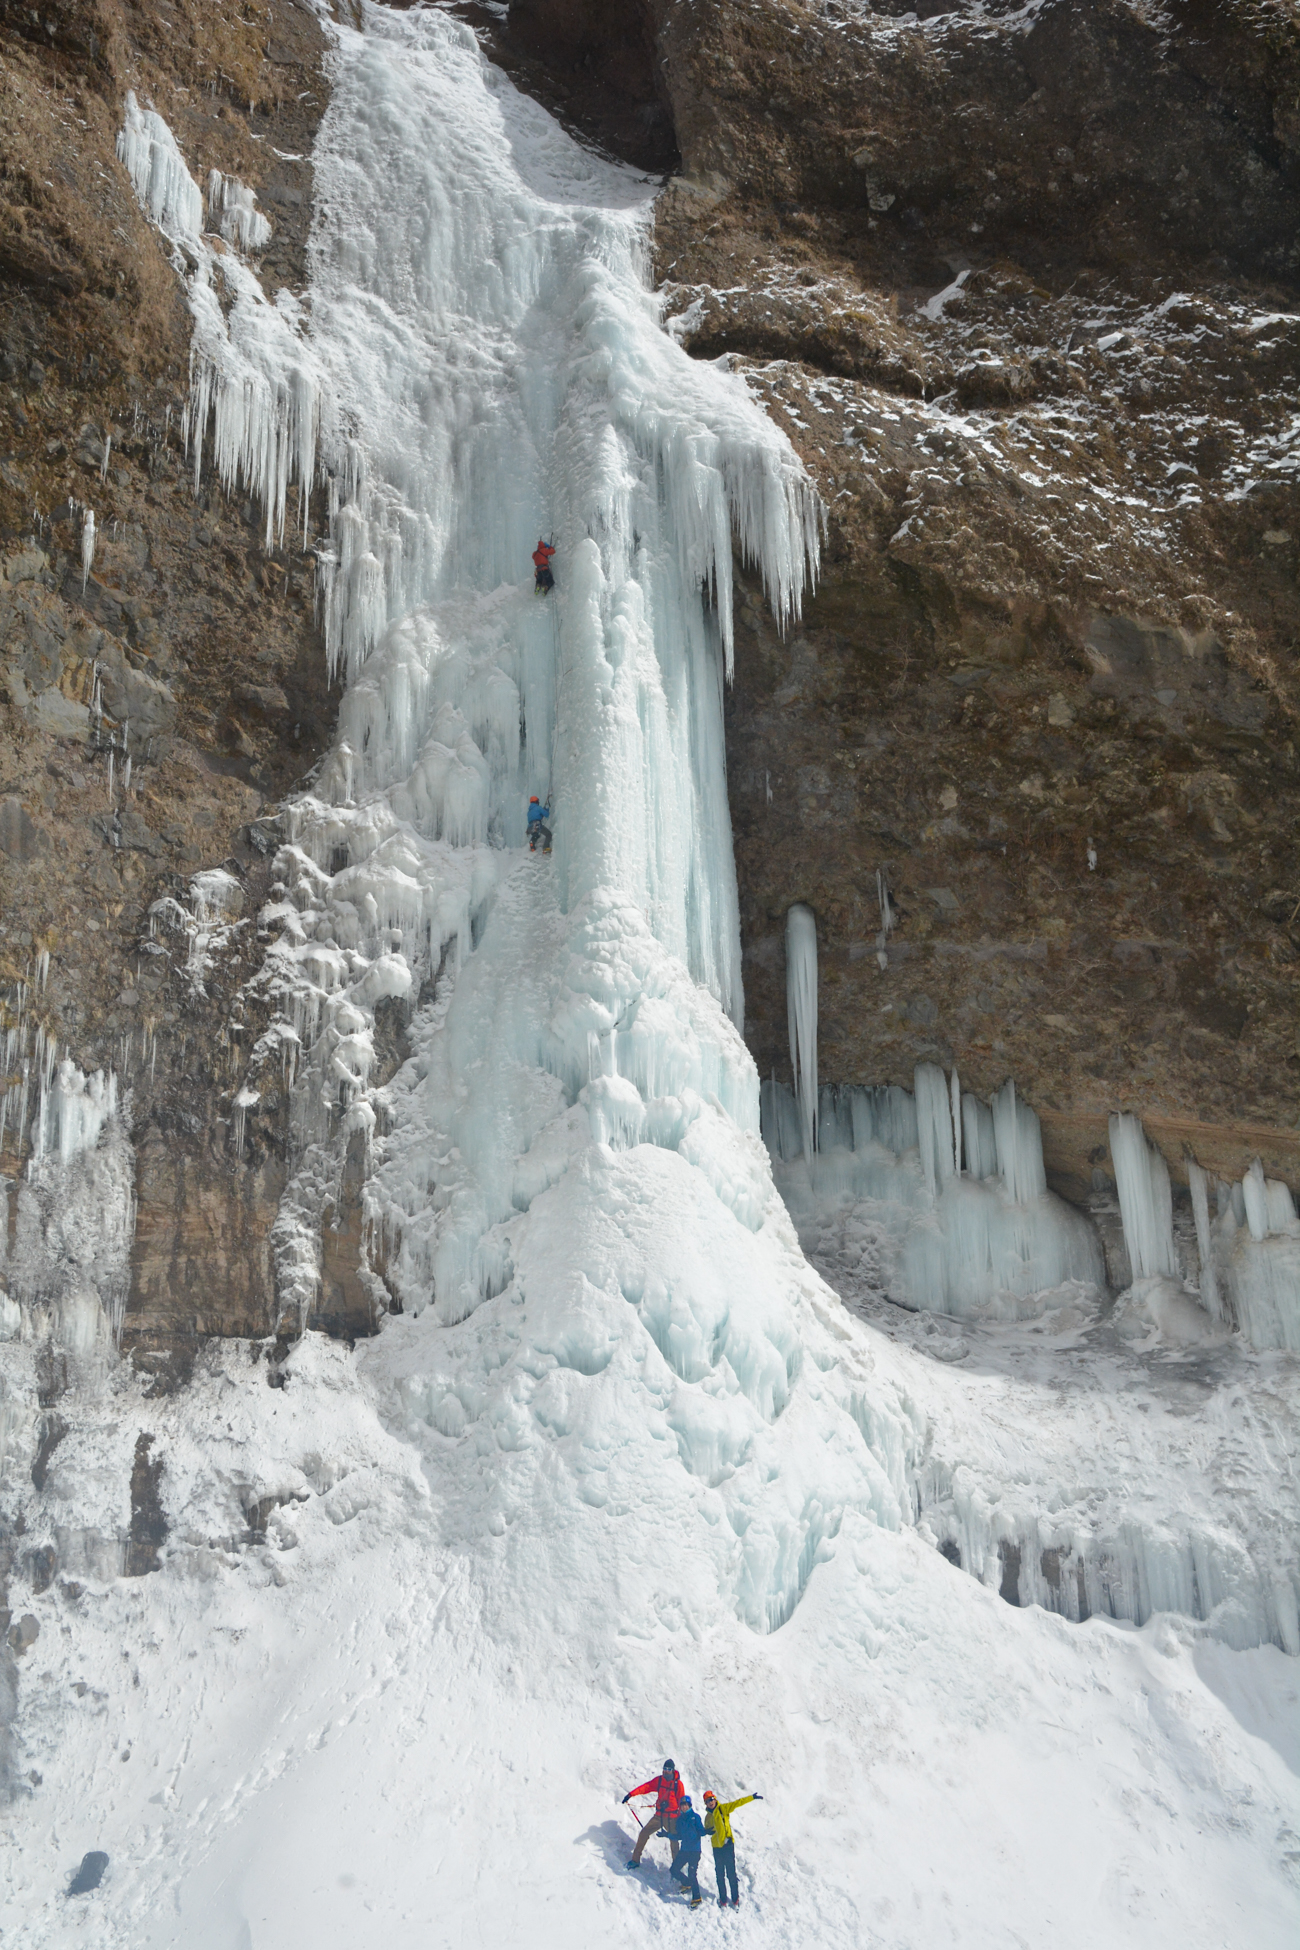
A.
x: 103, y: 466
x: 242, y: 223
x: 1145, y: 1199
x: 1198, y: 1182
x: 801, y: 1011
x: 111, y: 753
x: 955, y: 1083
x: 126, y: 776
x: 87, y: 546
x: 886, y: 920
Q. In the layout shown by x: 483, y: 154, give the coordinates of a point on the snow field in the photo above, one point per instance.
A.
x: 350, y: 1735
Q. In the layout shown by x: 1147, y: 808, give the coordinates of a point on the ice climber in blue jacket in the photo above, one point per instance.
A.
x: 538, y: 814
x: 690, y: 1840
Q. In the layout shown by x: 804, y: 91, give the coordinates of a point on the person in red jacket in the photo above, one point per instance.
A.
x: 669, y: 1794
x: 542, y: 564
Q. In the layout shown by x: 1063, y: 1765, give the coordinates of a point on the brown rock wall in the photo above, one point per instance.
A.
x: 193, y: 636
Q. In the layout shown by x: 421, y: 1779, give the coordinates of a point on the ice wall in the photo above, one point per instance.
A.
x: 987, y: 1239
x: 1115, y: 1564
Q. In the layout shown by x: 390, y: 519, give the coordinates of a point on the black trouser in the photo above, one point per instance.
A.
x: 545, y: 580
x: 539, y: 830
x: 686, y: 1870
x: 724, y: 1868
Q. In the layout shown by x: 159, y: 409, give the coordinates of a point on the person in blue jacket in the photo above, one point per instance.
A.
x: 538, y: 814
x: 690, y: 1840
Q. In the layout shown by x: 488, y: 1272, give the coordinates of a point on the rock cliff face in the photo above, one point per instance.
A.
x: 185, y: 649
x: 1019, y: 285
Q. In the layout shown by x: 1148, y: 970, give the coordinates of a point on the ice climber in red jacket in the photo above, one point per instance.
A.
x: 669, y: 1794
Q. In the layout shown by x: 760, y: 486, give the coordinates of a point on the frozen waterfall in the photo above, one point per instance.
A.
x: 571, y: 1155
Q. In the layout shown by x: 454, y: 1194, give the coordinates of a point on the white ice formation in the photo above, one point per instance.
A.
x: 1250, y: 1256
x: 74, y: 1109
x: 1248, y: 1247
x: 989, y: 1239
x: 947, y: 1194
x: 253, y: 375
x: 233, y: 205
x: 66, y: 1265
x: 148, y: 151
x: 564, y: 1174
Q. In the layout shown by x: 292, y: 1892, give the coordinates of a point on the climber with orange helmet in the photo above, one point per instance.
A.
x: 538, y: 814
x: 717, y: 1826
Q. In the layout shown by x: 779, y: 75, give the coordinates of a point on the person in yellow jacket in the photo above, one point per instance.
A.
x: 717, y: 1826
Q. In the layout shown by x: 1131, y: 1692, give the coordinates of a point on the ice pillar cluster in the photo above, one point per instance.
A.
x: 946, y: 1195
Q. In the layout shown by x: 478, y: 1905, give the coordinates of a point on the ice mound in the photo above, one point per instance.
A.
x: 623, y: 1384
x: 1164, y: 1304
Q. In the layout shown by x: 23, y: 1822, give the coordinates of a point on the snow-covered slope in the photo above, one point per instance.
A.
x: 624, y: 1479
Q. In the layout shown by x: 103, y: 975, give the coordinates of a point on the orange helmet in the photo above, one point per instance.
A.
x: 709, y: 1795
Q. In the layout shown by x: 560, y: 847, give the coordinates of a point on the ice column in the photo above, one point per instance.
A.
x: 1019, y: 1139
x: 934, y: 1126
x: 977, y: 1135
x: 1145, y: 1200
x: 801, y: 1007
